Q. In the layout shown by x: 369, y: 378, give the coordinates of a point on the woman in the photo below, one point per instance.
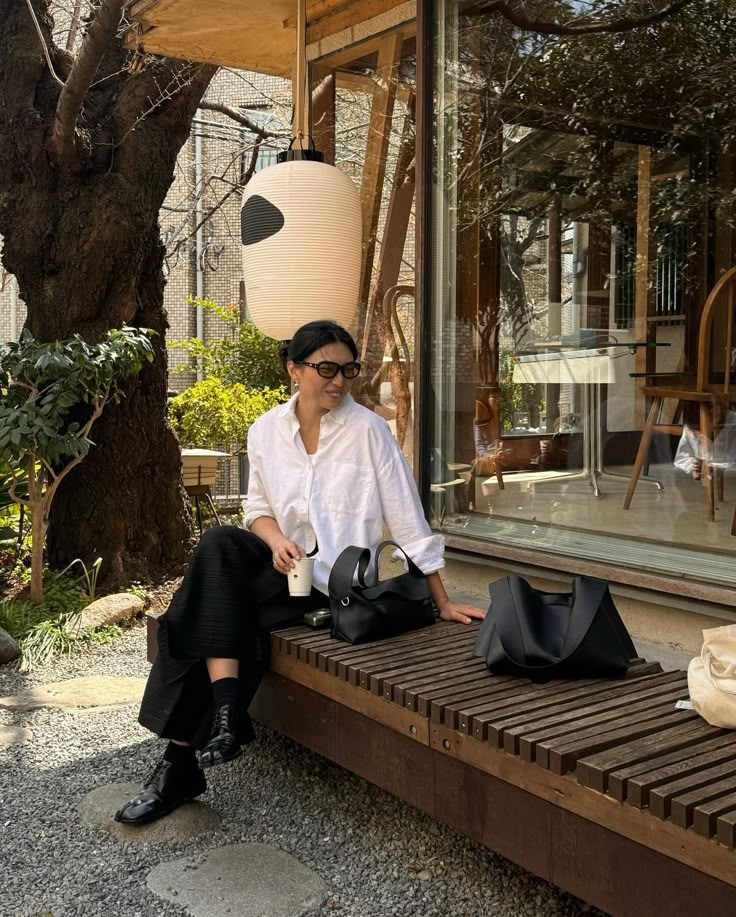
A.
x: 323, y: 471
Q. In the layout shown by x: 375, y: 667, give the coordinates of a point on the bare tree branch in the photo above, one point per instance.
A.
x: 14, y: 496
x: 250, y: 172
x: 521, y: 20
x: 71, y: 99
x: 240, y: 118
x: 44, y: 46
x: 74, y: 25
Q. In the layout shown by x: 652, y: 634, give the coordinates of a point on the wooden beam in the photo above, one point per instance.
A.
x: 345, y: 17
x: 374, y: 166
x: 346, y: 56
x: 315, y: 10
x: 323, y: 112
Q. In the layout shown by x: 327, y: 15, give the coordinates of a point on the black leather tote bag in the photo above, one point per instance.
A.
x: 544, y: 635
x: 373, y: 611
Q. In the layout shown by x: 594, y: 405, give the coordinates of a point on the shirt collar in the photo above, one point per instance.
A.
x: 337, y: 415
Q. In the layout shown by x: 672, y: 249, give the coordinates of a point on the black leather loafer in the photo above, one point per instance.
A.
x: 231, y: 729
x: 167, y: 788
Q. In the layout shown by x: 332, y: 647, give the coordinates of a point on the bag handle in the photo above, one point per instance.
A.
x: 354, y: 558
x: 413, y: 569
x: 509, y: 629
x: 343, y: 570
x: 707, y: 657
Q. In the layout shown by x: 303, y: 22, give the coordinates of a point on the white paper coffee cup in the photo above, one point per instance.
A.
x: 300, y: 577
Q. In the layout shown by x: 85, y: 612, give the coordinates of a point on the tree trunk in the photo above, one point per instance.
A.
x: 81, y: 236
x: 125, y: 502
x: 38, y: 532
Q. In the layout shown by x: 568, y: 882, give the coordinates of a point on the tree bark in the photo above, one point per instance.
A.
x: 82, y: 237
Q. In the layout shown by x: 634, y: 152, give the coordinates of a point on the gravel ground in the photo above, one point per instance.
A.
x: 379, y: 857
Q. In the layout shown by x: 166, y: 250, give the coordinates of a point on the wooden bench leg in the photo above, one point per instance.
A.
x: 641, y: 455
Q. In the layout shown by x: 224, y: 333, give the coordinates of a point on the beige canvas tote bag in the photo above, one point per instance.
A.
x: 711, y: 677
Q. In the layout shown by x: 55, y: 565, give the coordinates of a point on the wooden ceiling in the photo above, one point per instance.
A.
x: 257, y: 35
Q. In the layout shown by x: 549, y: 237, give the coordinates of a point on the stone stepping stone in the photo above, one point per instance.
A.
x: 190, y: 819
x: 77, y: 695
x: 240, y: 880
x: 14, y: 735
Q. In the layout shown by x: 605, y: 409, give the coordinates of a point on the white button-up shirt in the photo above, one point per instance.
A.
x: 356, y: 480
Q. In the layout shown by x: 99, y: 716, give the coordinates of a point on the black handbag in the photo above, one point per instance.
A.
x: 544, y: 635
x: 373, y: 611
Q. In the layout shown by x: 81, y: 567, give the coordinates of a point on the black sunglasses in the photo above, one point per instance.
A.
x: 328, y: 370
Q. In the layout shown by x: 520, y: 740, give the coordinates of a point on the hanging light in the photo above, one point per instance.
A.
x: 301, y: 232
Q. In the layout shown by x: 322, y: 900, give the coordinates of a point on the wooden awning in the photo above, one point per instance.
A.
x: 254, y: 35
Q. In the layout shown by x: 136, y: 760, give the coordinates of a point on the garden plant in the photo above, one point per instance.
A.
x: 51, y: 395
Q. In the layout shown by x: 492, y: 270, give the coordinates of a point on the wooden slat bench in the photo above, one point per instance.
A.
x: 602, y: 787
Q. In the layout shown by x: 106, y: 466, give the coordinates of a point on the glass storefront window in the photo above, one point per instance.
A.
x: 583, y: 208
x: 364, y: 120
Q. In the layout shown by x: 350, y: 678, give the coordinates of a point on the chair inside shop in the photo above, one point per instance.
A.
x: 711, y: 387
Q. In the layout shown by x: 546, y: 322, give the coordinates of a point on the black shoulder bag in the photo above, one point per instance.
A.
x: 544, y: 635
x: 363, y: 611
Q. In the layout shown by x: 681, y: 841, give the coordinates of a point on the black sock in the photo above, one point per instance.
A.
x: 180, y: 754
x: 226, y: 691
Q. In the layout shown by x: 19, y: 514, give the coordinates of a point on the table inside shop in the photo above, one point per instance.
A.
x: 552, y: 363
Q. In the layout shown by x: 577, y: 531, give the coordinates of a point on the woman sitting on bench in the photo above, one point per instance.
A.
x: 323, y: 470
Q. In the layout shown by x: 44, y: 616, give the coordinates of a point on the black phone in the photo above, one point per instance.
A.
x: 318, y: 618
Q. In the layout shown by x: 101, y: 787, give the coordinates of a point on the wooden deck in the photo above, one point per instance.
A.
x: 602, y: 787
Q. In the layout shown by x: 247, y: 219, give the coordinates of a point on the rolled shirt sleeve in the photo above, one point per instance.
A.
x: 402, y: 508
x: 257, y: 503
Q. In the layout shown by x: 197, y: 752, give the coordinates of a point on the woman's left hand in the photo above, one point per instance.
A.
x: 455, y: 611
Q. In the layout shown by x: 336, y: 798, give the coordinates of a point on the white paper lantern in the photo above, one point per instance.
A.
x: 301, y: 232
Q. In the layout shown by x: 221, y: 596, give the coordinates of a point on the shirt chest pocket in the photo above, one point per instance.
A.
x: 349, y: 490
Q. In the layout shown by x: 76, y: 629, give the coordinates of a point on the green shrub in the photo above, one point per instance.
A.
x: 245, y: 356
x: 211, y: 412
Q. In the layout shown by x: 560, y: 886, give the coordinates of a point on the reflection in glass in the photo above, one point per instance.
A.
x: 583, y: 210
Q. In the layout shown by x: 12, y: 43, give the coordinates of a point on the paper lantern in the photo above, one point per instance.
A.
x: 301, y: 232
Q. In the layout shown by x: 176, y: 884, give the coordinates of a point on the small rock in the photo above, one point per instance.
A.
x: 99, y: 807
x: 425, y: 875
x: 110, y: 609
x: 9, y: 649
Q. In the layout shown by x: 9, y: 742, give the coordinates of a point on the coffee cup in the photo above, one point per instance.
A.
x: 300, y: 576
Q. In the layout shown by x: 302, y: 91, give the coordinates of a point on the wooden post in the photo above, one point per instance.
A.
x: 643, y: 290
x: 323, y: 113
x: 301, y: 115
x: 554, y: 300
x: 374, y: 167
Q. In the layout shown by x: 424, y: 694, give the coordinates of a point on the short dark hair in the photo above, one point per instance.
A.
x: 312, y: 336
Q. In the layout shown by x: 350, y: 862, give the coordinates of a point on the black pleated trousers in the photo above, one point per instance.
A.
x: 226, y: 607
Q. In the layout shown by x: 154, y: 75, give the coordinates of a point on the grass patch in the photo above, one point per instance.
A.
x: 52, y: 628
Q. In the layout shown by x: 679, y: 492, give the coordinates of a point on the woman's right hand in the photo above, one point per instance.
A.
x: 285, y: 552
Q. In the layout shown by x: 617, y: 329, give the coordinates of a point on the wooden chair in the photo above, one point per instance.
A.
x: 713, y: 397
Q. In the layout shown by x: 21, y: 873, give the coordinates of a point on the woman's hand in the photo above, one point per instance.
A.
x: 285, y: 552
x: 455, y: 611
